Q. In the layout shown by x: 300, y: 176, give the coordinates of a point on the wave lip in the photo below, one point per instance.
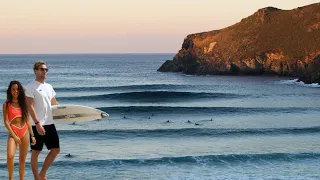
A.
x: 189, y: 132
x: 128, y: 87
x: 227, y: 159
x: 154, y: 96
x: 197, y: 110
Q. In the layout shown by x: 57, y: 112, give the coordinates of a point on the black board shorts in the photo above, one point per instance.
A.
x: 50, y: 139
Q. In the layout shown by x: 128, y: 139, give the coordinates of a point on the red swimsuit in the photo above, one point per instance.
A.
x: 15, y: 113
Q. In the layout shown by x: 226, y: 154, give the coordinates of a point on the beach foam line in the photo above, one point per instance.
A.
x: 297, y: 83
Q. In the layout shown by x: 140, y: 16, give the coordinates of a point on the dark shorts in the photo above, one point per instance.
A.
x: 50, y: 139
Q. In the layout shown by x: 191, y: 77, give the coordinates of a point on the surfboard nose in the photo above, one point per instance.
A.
x: 104, y: 115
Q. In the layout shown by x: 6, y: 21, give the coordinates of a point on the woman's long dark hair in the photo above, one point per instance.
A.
x: 21, y: 99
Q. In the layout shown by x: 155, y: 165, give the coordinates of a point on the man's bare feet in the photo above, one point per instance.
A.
x: 36, y: 177
x: 42, y: 176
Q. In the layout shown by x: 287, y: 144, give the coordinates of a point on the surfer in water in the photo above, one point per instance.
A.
x: 40, y: 98
x: 16, y: 120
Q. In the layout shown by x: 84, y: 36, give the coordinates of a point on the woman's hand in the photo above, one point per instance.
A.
x: 33, y: 141
x: 17, y: 139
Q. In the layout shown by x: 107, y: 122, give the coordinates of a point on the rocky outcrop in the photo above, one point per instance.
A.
x: 271, y: 41
x: 312, y: 73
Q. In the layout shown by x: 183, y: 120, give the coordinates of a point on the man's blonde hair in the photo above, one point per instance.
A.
x: 38, y: 64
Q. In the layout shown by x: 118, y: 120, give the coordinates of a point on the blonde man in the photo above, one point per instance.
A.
x: 40, y: 98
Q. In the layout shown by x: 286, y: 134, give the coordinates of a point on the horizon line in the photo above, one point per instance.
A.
x: 85, y: 53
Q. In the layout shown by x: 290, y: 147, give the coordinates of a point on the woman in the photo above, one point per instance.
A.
x: 16, y: 120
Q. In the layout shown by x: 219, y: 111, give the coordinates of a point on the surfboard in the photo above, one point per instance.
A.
x: 76, y: 113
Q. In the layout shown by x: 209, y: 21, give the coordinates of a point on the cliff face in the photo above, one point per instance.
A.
x: 271, y: 41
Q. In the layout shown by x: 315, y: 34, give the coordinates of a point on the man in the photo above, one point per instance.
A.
x: 40, y: 97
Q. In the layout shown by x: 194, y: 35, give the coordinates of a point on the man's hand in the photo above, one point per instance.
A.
x: 40, y: 129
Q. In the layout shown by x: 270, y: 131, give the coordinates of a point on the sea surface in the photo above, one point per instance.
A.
x: 172, y: 125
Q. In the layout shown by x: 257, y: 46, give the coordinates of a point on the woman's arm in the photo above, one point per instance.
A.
x: 6, y: 123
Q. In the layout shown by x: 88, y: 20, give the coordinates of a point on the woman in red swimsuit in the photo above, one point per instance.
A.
x: 16, y: 120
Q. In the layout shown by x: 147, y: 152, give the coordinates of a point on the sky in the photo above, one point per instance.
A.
x: 118, y: 26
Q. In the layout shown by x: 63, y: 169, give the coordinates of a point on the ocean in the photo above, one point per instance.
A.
x: 172, y: 125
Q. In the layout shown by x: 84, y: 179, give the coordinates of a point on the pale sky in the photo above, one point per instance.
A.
x: 119, y: 26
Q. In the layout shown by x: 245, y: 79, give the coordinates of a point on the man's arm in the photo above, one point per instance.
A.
x: 33, y: 114
x: 54, y: 101
x: 31, y: 110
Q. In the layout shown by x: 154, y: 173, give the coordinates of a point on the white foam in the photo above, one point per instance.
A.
x: 295, y: 82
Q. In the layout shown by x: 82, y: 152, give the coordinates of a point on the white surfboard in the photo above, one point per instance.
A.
x: 76, y: 113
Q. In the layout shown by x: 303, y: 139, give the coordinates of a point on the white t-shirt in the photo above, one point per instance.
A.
x: 42, y: 95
